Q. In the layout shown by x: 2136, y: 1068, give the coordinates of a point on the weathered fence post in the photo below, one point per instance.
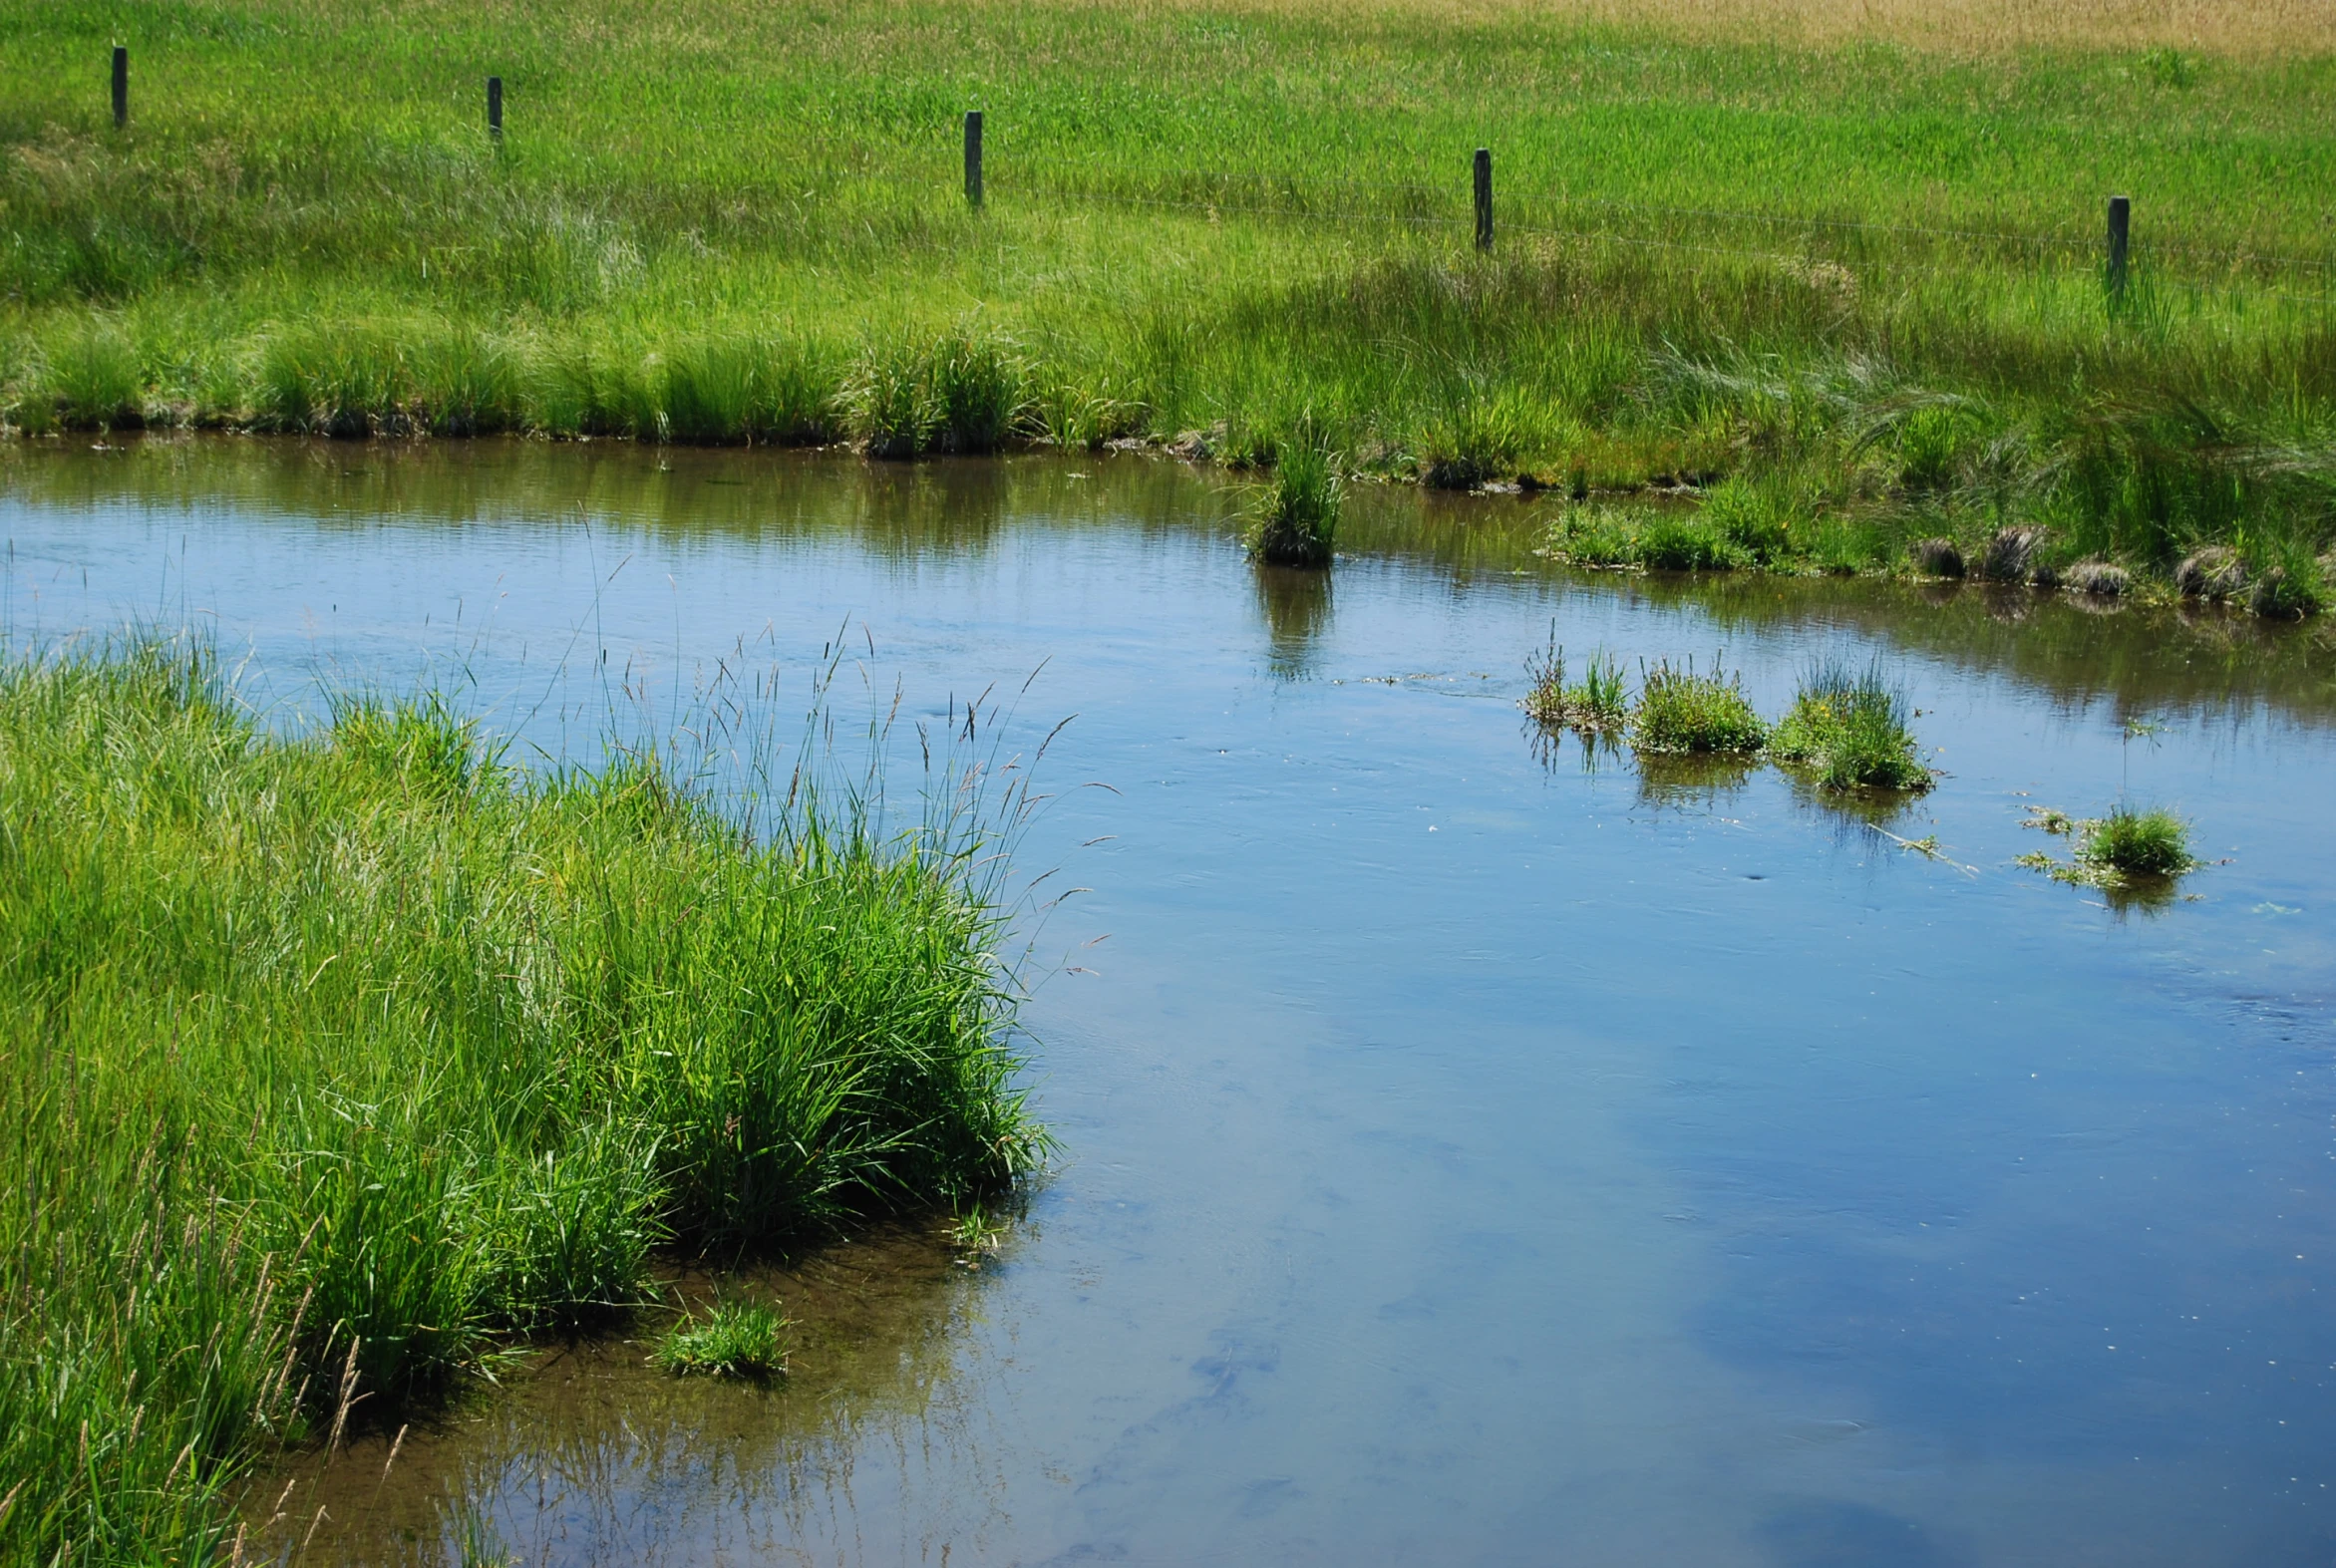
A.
x: 973, y: 156
x: 2121, y: 218
x: 121, y: 86
x: 1484, y: 198
x: 495, y: 107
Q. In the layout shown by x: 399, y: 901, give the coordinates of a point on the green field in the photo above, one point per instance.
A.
x: 1860, y: 272
x: 332, y: 1064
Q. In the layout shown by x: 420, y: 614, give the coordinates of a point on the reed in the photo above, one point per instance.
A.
x: 329, y: 1059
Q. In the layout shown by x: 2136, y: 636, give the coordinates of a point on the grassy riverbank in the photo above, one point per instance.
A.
x: 1855, y: 266
x: 332, y: 1063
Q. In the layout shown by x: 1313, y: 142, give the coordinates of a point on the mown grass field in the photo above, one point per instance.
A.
x: 1854, y: 259
x: 333, y: 1063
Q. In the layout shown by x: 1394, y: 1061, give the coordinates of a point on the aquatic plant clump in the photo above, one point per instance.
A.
x: 2131, y: 849
x: 1849, y: 727
x: 1295, y: 520
x: 1599, y: 703
x: 733, y: 1340
x: 1679, y: 709
x: 329, y: 1059
x: 2137, y: 842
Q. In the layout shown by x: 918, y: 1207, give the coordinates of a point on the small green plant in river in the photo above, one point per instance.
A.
x: 1297, y: 518
x: 732, y: 1341
x: 1679, y: 709
x: 974, y: 1235
x: 2134, y: 842
x: 1599, y: 703
x: 2129, y: 849
x: 1848, y: 727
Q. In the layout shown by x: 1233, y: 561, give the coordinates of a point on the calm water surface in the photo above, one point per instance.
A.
x: 1472, y: 1154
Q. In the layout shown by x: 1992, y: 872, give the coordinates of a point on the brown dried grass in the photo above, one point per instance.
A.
x: 2239, y: 28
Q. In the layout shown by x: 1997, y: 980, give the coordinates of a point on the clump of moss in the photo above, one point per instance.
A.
x: 1679, y: 709
x: 2011, y: 553
x: 1598, y: 704
x: 733, y: 1340
x: 2100, y: 579
x: 1848, y: 727
x: 1937, y: 558
x: 1296, y: 519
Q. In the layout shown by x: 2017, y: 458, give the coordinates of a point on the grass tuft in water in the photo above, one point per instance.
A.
x: 2131, y: 849
x: 1849, y: 727
x: 1598, y: 704
x: 732, y: 1341
x: 1295, y: 518
x: 1679, y: 709
x: 2135, y: 842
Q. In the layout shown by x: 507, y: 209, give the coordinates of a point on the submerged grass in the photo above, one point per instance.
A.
x: 1841, y: 296
x: 735, y: 1339
x: 327, y: 1060
x: 1849, y: 728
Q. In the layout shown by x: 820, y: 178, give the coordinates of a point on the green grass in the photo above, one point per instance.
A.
x: 1850, y: 729
x: 2133, y: 854
x: 1843, y: 287
x: 733, y: 1340
x: 1294, y: 520
x: 330, y: 1060
x: 1599, y: 703
x: 2135, y: 842
x: 1680, y: 711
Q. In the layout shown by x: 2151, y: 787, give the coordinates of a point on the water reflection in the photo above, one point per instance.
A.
x: 1297, y: 605
x: 590, y: 1456
x: 1690, y: 781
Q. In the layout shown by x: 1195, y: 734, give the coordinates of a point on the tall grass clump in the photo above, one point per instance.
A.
x: 964, y: 392
x: 1849, y: 727
x: 1294, y: 519
x: 94, y: 380
x: 1679, y: 709
x: 329, y: 1058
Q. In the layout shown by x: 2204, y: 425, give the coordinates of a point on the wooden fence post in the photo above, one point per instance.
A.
x: 495, y: 107
x: 121, y: 87
x: 973, y: 156
x: 1484, y: 198
x: 2121, y: 218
